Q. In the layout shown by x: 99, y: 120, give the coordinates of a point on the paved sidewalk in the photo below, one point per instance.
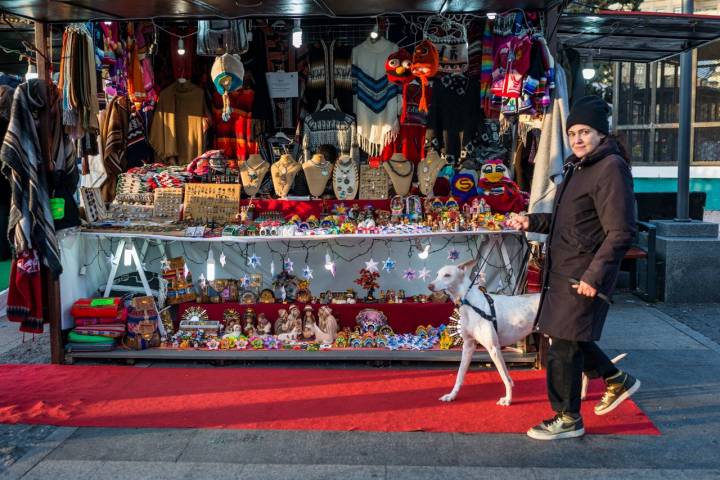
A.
x: 679, y: 368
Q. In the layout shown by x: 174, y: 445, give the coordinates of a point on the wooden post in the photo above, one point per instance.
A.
x: 51, y: 286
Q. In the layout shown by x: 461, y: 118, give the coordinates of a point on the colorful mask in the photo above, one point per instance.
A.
x: 425, y: 65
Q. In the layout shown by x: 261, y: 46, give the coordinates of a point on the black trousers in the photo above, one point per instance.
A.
x: 566, y: 362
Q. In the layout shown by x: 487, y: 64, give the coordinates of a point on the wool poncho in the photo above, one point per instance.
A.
x: 377, y: 101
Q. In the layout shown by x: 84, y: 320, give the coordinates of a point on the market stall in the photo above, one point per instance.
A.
x: 275, y: 189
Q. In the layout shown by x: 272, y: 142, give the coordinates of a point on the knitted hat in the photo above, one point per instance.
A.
x: 227, y: 74
x: 425, y: 65
x: 398, y: 69
x: 591, y: 111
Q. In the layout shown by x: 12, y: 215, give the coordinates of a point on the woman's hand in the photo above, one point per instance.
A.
x: 585, y: 289
x: 518, y: 222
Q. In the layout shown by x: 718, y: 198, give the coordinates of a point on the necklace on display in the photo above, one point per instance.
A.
x: 407, y: 162
x: 322, y: 164
x: 253, y: 171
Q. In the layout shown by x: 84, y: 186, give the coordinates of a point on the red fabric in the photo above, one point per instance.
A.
x: 24, y: 301
x: 381, y: 400
x: 234, y: 137
x: 402, y: 317
x: 289, y: 208
x: 83, y: 308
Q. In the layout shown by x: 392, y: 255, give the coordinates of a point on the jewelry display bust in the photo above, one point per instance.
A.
x: 428, y: 170
x: 283, y: 174
x: 317, y: 172
x: 252, y: 173
x: 400, y: 170
x: 345, y: 178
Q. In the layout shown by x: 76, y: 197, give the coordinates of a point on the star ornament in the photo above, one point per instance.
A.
x: 244, y: 281
x: 288, y: 265
x: 223, y: 260
x: 254, y: 261
x: 423, y: 274
x: 389, y: 265
x: 453, y: 254
x: 307, y: 272
x: 371, y: 266
x: 409, y: 274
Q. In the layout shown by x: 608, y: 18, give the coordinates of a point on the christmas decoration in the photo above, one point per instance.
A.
x: 368, y: 281
x: 371, y: 266
x: 288, y: 265
x: 329, y: 264
x: 453, y: 254
x: 254, y: 261
x: 307, y: 272
x: 244, y: 281
x: 223, y: 260
x: 389, y: 265
x: 409, y: 274
x: 423, y: 274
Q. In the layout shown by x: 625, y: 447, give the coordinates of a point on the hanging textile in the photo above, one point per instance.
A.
x: 114, y: 138
x: 329, y: 77
x: 78, y: 81
x: 216, y: 37
x: 377, y: 101
x: 234, y: 136
x: 328, y: 127
x: 179, y: 124
x: 26, y: 163
x: 24, y: 302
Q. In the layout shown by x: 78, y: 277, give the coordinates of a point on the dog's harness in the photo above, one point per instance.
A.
x: 490, y: 317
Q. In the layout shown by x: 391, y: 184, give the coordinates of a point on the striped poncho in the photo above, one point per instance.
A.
x: 378, y: 102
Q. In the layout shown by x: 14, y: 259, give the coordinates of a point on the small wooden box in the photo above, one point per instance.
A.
x: 212, y: 202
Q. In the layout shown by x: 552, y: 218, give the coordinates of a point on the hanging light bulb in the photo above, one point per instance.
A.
x: 210, y: 266
x: 375, y: 33
x: 588, y: 71
x: 31, y: 71
x: 107, y: 23
x: 425, y: 253
x: 128, y: 254
x: 329, y: 264
x: 491, y: 15
x: 297, y: 35
x: 181, y: 46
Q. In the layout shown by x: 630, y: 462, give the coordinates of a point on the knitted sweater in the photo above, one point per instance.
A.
x: 179, y: 124
x: 377, y: 100
x: 328, y: 127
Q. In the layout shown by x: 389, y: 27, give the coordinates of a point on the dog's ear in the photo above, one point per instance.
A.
x: 467, y: 266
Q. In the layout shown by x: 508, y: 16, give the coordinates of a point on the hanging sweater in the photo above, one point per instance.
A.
x: 328, y: 127
x: 179, y: 124
x: 377, y: 100
x: 329, y: 77
x: 454, y: 115
x: 234, y: 137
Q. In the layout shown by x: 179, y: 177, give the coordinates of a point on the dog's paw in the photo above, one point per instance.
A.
x: 504, y: 401
x: 448, y: 397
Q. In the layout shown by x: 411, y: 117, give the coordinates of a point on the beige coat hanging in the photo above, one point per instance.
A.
x: 400, y: 170
x: 317, y: 173
x: 428, y: 170
x: 252, y: 172
x: 283, y: 174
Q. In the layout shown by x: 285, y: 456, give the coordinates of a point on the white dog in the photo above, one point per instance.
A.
x: 515, y: 318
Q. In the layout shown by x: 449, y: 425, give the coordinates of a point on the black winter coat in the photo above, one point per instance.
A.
x: 590, y: 230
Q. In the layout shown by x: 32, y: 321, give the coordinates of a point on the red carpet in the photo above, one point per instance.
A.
x: 383, y: 400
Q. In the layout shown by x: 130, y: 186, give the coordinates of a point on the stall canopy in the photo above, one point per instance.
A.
x: 80, y: 10
x: 635, y: 36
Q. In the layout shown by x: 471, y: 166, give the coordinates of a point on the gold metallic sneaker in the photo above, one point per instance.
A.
x: 618, y: 388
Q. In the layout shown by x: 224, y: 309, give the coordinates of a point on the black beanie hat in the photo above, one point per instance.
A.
x: 591, y: 111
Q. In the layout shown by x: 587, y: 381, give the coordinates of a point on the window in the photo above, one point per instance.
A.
x: 668, y: 92
x: 634, y: 101
x: 707, y: 84
x: 637, y: 142
x: 666, y: 145
x: 707, y: 145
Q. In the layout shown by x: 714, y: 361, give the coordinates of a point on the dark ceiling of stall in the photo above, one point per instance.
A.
x: 636, y: 36
x: 79, y: 10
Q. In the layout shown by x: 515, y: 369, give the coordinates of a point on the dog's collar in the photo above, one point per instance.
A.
x: 491, y: 317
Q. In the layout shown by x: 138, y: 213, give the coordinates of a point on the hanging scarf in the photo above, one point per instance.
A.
x: 486, y: 67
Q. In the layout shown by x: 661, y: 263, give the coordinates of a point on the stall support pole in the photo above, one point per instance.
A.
x: 51, y: 285
x: 683, y: 153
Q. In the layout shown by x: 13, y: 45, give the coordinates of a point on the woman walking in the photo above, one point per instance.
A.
x: 590, y: 230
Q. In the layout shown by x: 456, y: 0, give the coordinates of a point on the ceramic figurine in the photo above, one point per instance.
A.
x: 281, y: 322
x: 263, y: 326
x: 249, y: 319
x: 309, y: 324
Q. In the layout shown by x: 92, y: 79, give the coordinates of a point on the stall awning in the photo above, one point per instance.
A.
x: 636, y: 36
x: 80, y: 10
